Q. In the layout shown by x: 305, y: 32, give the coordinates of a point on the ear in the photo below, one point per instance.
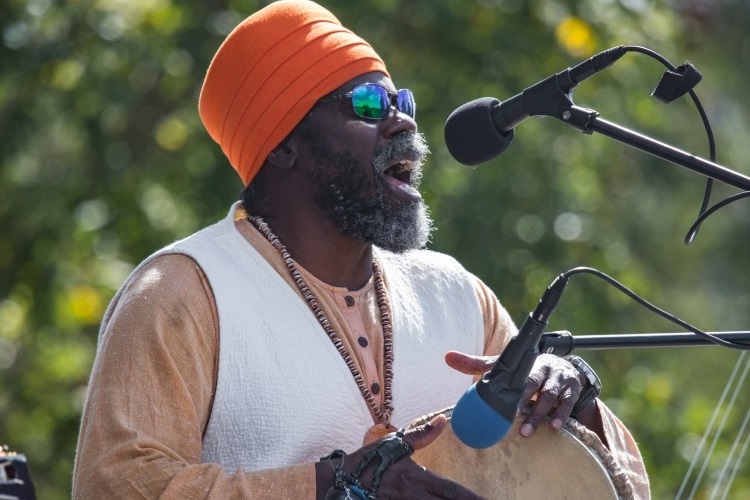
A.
x: 283, y: 155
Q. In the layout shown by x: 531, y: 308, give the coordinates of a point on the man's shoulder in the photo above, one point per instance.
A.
x: 163, y: 275
x: 204, y: 235
x: 205, y: 243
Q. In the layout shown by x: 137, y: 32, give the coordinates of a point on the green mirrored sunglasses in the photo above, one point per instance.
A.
x: 372, y: 100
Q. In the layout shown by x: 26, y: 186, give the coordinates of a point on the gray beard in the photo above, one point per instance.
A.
x: 380, y: 219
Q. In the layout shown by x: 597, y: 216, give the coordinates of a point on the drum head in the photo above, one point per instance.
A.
x: 550, y: 464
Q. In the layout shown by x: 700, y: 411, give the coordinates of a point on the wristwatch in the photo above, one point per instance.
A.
x: 590, y: 393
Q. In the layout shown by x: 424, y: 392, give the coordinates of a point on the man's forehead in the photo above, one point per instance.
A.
x: 373, y: 77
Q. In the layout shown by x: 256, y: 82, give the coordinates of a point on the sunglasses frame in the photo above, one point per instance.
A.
x: 394, y: 99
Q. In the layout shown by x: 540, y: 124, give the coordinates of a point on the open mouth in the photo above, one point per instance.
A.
x: 399, y: 176
x: 400, y: 171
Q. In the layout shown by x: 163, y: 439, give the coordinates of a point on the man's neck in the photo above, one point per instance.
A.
x: 331, y: 256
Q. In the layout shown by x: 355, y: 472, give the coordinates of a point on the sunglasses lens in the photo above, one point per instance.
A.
x: 405, y: 102
x: 370, y: 101
x: 373, y: 101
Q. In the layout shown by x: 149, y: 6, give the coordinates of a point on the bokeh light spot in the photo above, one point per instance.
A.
x: 576, y: 36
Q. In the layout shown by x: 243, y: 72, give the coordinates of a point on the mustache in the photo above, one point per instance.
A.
x: 404, y: 146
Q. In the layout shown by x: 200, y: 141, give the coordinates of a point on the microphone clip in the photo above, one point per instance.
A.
x: 675, y: 84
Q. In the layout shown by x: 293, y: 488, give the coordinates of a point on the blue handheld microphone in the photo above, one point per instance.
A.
x: 485, y: 413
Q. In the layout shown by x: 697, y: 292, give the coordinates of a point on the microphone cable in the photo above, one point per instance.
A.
x: 485, y: 412
x: 704, y: 211
x: 651, y: 307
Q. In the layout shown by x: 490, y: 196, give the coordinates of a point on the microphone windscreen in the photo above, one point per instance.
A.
x: 471, y: 135
x: 477, y: 424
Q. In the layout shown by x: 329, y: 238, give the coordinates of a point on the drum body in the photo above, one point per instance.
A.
x: 569, y: 464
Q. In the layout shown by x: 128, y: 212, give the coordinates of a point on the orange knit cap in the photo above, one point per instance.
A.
x: 270, y: 71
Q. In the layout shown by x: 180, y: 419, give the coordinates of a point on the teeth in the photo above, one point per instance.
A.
x: 401, y: 167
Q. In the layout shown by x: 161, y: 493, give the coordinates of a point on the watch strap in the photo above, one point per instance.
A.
x: 593, y: 389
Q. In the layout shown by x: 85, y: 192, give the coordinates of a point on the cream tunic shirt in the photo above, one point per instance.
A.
x: 153, y: 381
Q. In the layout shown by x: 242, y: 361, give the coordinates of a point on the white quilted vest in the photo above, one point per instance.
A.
x: 284, y: 395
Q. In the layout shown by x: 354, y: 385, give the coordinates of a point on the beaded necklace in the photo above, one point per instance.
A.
x: 383, y: 415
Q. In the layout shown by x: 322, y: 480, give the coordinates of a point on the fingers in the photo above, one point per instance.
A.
x: 533, y: 385
x: 422, y: 435
x: 419, y: 437
x: 565, y: 403
x: 407, y: 479
x: 450, y: 490
x: 556, y: 387
x: 542, y: 407
x: 469, y: 364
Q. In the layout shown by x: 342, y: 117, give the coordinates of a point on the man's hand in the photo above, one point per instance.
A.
x: 553, y: 387
x: 403, y: 479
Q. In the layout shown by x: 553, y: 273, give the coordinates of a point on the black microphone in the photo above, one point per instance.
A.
x: 481, y: 129
x: 485, y: 413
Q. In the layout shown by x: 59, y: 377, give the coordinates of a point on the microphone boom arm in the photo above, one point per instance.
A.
x: 562, y: 343
x: 588, y: 121
x: 552, y: 97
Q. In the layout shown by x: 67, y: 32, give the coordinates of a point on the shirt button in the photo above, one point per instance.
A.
x: 375, y: 388
x: 349, y: 300
x: 362, y: 341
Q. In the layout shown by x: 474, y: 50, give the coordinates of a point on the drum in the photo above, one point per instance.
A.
x: 568, y: 464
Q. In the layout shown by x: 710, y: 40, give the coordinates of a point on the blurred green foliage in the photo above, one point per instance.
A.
x: 103, y: 159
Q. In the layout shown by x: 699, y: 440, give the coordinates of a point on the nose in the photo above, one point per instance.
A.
x: 397, y: 122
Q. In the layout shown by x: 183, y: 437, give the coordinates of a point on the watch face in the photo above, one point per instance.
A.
x: 587, y: 371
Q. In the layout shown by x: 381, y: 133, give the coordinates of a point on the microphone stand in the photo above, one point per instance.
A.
x: 588, y: 121
x: 547, y: 98
x: 562, y: 343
